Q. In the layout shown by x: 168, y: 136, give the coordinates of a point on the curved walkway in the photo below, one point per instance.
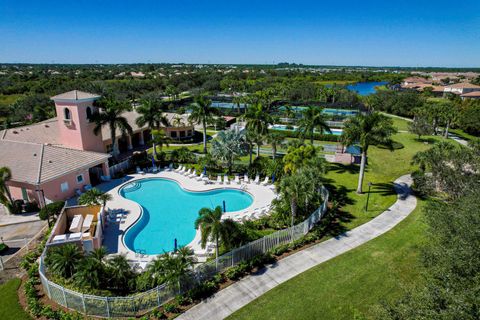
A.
x: 234, y: 297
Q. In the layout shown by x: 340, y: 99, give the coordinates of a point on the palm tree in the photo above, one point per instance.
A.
x: 160, y: 140
x: 171, y: 268
x: 258, y: 119
x: 293, y: 188
x: 202, y: 112
x: 98, y: 254
x: 210, y: 223
x: 94, y: 197
x: 366, y: 130
x: 276, y: 140
x: 64, y: 260
x: 5, y: 196
x: 111, y: 116
x: 120, y: 273
x: 150, y: 114
x: 89, y: 273
x: 313, y: 119
x: 228, y: 146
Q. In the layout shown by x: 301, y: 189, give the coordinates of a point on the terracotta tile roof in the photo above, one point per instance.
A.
x: 75, y: 95
x: 42, y: 132
x: 462, y: 85
x: 471, y: 94
x: 36, y: 163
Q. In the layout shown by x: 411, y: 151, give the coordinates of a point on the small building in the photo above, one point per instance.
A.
x: 461, y: 88
x: 80, y: 225
x: 58, y: 158
x: 471, y: 95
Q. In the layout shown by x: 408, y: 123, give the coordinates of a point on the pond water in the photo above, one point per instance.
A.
x: 365, y: 88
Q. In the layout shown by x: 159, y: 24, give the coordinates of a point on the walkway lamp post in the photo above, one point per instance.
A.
x: 368, y: 196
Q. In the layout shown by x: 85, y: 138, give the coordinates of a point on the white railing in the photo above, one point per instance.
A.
x: 140, y: 303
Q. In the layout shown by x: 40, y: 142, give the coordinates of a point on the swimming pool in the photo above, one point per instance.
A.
x: 169, y: 212
x: 282, y: 127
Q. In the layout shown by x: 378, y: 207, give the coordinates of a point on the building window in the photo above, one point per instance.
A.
x: 182, y: 134
x: 89, y: 113
x: 173, y: 134
x: 66, y: 114
x: 64, y: 187
x: 80, y: 178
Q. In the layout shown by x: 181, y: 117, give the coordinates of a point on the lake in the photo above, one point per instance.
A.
x: 365, y: 88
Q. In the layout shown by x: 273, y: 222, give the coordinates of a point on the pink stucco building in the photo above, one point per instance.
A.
x: 55, y: 159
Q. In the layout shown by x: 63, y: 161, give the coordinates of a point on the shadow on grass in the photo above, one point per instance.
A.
x: 343, y: 168
x: 428, y: 140
x: 384, y: 189
x: 334, y: 222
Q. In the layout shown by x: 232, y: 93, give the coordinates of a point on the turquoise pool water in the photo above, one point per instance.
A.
x: 282, y: 127
x: 169, y: 212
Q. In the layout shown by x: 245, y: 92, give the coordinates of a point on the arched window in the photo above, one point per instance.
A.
x: 89, y: 113
x: 66, y: 113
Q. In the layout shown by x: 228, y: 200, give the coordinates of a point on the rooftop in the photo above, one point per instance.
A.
x: 35, y: 163
x: 463, y: 85
x: 75, y: 95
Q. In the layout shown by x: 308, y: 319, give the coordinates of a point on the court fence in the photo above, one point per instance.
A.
x: 141, y: 303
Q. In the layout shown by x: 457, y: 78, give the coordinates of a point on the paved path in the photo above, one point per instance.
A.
x: 227, y: 301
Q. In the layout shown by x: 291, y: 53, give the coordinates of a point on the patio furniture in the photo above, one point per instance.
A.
x: 59, y: 238
x: 87, y: 222
x: 188, y: 172
x: 226, y: 180
x: 219, y: 180
x: 200, y: 178
x: 105, y: 178
x: 75, y: 236
x: 193, y: 174
x: 140, y: 171
x: 245, y: 178
x: 179, y: 169
x: 257, y: 179
x: 265, y: 182
x: 76, y: 225
x: 237, y: 179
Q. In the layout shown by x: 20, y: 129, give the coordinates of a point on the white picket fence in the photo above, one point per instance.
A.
x: 140, y: 303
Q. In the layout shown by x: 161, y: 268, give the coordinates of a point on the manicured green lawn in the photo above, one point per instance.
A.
x: 384, y: 166
x: 9, y: 305
x: 349, y: 286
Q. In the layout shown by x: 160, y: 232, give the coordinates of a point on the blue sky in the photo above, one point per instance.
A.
x: 376, y: 33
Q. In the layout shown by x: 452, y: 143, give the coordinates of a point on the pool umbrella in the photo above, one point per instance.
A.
x: 204, y: 171
x: 273, y: 177
x: 153, y: 161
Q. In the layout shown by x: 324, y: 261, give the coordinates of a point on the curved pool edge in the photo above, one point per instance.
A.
x: 156, y: 177
x: 262, y: 196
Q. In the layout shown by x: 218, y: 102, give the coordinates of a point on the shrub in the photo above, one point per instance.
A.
x: 31, y: 207
x: 51, y: 210
x: 170, y: 308
x: 3, y: 247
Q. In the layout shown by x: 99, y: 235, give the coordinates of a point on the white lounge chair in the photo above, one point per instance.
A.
x: 155, y: 169
x: 188, y: 172
x: 265, y: 182
x: 180, y: 168
x: 219, y: 180
x: 76, y: 225
x: 169, y: 168
x: 200, y: 178
x: 226, y: 180
x: 193, y: 174
x: 257, y: 179
x: 87, y: 222
x: 105, y: 178
x: 246, y: 179
x: 237, y: 179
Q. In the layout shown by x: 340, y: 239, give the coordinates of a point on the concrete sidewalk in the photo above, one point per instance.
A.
x: 227, y: 301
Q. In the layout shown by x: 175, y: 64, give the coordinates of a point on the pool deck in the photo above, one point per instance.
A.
x: 114, y: 232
